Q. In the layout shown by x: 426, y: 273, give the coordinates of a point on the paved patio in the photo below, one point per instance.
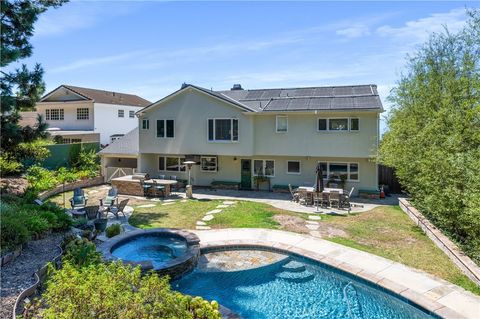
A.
x: 432, y: 293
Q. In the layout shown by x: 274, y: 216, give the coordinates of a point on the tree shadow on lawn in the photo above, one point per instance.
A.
x: 147, y: 219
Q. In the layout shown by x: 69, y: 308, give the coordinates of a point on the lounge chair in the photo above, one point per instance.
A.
x: 116, y: 209
x: 92, y: 211
x: 295, y: 197
x: 79, y: 199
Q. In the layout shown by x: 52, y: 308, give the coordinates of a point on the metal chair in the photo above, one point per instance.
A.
x: 334, y: 199
x: 161, y: 176
x: 115, y: 210
x: 146, y: 188
x: 345, y: 199
x: 325, y: 199
x: 158, y: 188
x: 173, y: 186
x: 295, y: 197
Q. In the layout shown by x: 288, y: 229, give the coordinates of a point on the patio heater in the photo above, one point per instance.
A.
x: 188, y: 188
x: 318, y: 182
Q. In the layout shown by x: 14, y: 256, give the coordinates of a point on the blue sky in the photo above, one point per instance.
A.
x: 151, y: 48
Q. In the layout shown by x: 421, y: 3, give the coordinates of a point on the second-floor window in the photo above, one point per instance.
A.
x: 166, y: 128
x: 281, y: 124
x: 223, y: 130
x: 145, y: 124
x: 131, y: 114
x: 121, y: 113
x: 83, y: 113
x: 338, y: 124
x: 54, y: 114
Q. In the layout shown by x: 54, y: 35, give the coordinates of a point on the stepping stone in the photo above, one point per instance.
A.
x: 315, y: 233
x: 184, y: 201
x: 311, y: 222
x: 215, y: 211
x: 92, y: 192
x: 202, y: 228
x: 229, y: 202
x: 200, y: 223
x: 206, y: 218
x: 146, y: 205
x: 314, y: 217
x: 312, y: 227
x: 169, y: 203
x: 223, y: 206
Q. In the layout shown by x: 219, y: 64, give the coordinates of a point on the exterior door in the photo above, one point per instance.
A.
x: 246, y: 174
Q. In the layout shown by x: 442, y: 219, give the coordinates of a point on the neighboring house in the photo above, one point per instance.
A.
x: 281, y: 134
x: 80, y: 114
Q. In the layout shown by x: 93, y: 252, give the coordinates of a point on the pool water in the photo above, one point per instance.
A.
x: 157, y: 249
x: 291, y: 287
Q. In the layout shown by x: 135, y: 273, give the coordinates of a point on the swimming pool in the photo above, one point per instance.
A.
x: 260, y: 284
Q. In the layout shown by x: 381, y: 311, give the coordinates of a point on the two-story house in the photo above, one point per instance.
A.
x: 281, y: 134
x: 80, y: 114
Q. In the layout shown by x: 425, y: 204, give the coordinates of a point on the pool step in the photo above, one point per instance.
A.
x: 294, y: 266
x: 297, y: 277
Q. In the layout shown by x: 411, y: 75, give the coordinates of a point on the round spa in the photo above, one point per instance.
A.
x: 168, y: 251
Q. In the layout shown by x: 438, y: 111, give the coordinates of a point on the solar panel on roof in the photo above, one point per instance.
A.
x: 320, y: 103
x: 342, y: 91
x: 304, y: 92
x: 342, y: 102
x: 254, y: 94
x: 362, y: 90
x: 277, y: 105
x: 298, y: 104
x: 366, y: 102
x: 327, y: 91
x: 287, y: 93
x: 268, y: 94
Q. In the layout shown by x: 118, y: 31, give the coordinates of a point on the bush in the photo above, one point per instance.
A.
x: 87, y: 161
x: 116, y: 290
x: 81, y: 252
x: 30, y: 153
x: 14, y: 232
x: 40, y: 179
x: 36, y: 225
x: 8, y: 165
x: 113, y: 230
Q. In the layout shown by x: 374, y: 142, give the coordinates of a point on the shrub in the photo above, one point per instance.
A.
x: 87, y: 161
x: 40, y: 179
x: 81, y: 252
x: 14, y: 232
x: 36, y: 225
x: 113, y: 230
x: 116, y: 290
x: 8, y: 165
x: 30, y: 153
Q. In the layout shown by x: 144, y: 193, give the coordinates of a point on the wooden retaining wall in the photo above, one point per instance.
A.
x: 99, y: 180
x: 466, y: 265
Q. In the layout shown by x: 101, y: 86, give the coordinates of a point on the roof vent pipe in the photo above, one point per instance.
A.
x: 184, y: 85
x: 236, y: 87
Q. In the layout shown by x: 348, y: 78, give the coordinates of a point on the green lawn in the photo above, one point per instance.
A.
x: 384, y: 231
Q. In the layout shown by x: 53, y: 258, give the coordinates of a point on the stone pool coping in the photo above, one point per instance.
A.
x: 427, y: 291
x: 175, y: 267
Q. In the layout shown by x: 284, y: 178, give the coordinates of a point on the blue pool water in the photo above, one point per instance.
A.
x: 157, y: 249
x: 295, y: 287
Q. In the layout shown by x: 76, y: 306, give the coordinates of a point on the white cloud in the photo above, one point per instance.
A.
x: 417, y: 31
x: 355, y: 31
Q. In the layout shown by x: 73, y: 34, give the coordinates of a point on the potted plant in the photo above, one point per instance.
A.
x: 101, y: 221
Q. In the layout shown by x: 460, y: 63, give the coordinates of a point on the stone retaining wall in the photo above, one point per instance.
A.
x: 99, y: 180
x: 466, y: 265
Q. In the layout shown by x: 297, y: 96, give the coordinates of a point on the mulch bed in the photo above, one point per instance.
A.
x: 18, y: 274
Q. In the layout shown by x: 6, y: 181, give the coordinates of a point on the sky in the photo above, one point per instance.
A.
x: 150, y: 48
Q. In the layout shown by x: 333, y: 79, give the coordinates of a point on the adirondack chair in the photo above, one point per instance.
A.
x: 79, y: 199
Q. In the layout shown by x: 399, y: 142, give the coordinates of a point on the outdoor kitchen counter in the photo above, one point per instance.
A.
x: 127, y: 185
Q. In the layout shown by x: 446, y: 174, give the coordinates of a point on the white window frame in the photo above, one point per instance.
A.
x: 83, y: 115
x: 276, y: 123
x: 131, y: 114
x: 231, y: 130
x: 299, y: 167
x: 264, y: 164
x: 179, y: 163
x: 328, y: 130
x: 48, y: 114
x: 209, y: 157
x: 121, y: 113
x: 147, y: 121
x: 348, y: 169
x: 165, y: 127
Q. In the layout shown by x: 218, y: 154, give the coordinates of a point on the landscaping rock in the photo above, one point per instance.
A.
x: 215, y: 211
x: 200, y: 223
x: 207, y: 218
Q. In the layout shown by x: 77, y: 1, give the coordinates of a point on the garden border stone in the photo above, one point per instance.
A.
x: 462, y: 261
x: 95, y: 181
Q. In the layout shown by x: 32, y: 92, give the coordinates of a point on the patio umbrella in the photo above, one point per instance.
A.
x: 319, y: 181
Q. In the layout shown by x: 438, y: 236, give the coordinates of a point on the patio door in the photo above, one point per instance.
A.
x: 246, y: 174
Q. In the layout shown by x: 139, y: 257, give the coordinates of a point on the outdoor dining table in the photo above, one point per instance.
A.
x: 326, y: 190
x: 164, y: 182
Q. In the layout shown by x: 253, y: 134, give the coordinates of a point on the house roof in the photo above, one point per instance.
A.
x: 324, y: 98
x: 28, y: 119
x: 126, y: 145
x: 102, y: 96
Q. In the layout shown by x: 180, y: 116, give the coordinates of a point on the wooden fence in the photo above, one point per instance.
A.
x: 386, y: 176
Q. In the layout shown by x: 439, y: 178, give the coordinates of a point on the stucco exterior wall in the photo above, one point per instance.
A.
x: 108, y: 123
x: 70, y: 122
x: 191, y: 111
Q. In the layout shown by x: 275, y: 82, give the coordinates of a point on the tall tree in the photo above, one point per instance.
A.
x: 22, y: 88
x: 433, y: 140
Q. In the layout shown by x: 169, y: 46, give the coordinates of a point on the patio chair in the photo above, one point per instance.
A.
x: 304, y: 198
x: 295, y: 197
x: 158, y: 188
x: 146, y: 188
x: 345, y: 199
x: 92, y: 211
x: 161, y: 176
x: 173, y: 186
x: 325, y: 199
x: 111, y: 198
x: 334, y: 199
x: 79, y: 199
x: 115, y: 210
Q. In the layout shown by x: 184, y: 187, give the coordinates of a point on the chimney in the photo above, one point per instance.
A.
x: 184, y: 85
x: 236, y: 87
